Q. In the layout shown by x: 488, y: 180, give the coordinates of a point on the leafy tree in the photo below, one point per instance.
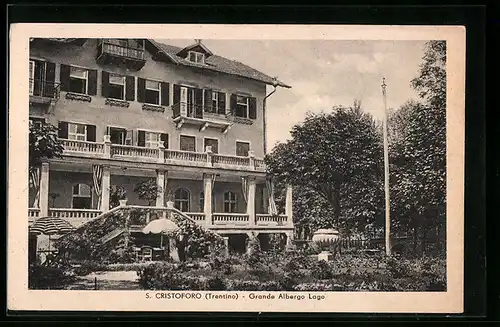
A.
x: 148, y: 190
x: 418, y: 150
x: 43, y: 143
x: 334, y: 162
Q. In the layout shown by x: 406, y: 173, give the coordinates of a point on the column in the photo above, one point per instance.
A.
x: 161, y: 176
x: 207, y: 192
x: 289, y: 239
x: 226, y: 246
x: 289, y: 204
x: 251, y: 201
x: 105, y: 184
x: 44, y: 190
x: 107, y: 146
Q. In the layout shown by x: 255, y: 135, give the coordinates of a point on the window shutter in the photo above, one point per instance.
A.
x: 177, y: 94
x: 252, y: 108
x: 233, y: 103
x: 92, y: 82
x: 198, y: 100
x: 105, y: 84
x: 63, y: 130
x: 91, y: 133
x: 141, y: 138
x: 164, y: 138
x: 50, y: 74
x: 165, y: 94
x: 222, y: 103
x: 129, y: 137
x: 64, y: 77
x: 130, y: 88
x: 108, y: 130
x: 141, y: 90
x: 208, y: 101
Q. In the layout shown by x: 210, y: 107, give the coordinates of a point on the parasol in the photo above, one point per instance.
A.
x: 51, y: 226
x: 160, y: 226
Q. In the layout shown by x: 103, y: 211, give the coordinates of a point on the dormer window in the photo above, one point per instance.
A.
x: 197, y: 57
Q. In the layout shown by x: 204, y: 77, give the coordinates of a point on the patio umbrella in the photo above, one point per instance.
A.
x: 51, y: 226
x: 160, y: 226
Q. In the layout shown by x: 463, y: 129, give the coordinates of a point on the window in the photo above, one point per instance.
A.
x: 196, y: 57
x: 78, y: 80
x: 152, y: 92
x: 152, y: 140
x: 120, y: 136
x: 241, y: 106
x: 77, y: 132
x: 202, y: 202
x: 82, y: 196
x: 116, y: 86
x: 214, y: 143
x: 36, y: 121
x: 242, y: 149
x: 188, y: 143
x: 215, y: 101
x: 229, y: 202
x: 181, y: 200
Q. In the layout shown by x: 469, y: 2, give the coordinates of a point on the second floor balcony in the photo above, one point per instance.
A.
x: 197, y: 115
x: 106, y: 150
x: 120, y: 52
x: 42, y: 91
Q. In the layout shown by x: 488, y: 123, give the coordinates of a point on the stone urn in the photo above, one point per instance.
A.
x: 323, y: 238
x: 123, y: 202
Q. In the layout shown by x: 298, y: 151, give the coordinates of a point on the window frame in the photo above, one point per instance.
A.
x: 247, y: 105
x: 187, y: 200
x: 199, y: 57
x: 157, y: 142
x: 146, y: 88
x: 79, y: 195
x: 243, y: 142
x: 86, y: 78
x: 76, y: 134
x: 211, y: 138
x: 230, y: 202
x: 190, y: 136
x: 111, y: 84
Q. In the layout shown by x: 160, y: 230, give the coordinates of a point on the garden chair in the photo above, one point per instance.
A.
x: 147, y: 253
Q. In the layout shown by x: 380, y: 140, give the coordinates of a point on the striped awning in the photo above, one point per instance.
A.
x: 51, y: 226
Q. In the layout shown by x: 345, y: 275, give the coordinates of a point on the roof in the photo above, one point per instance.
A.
x: 216, y: 63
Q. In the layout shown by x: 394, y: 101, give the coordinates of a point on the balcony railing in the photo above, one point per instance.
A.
x: 74, y: 213
x: 108, y: 51
x: 107, y: 46
x: 196, y: 216
x: 265, y: 219
x: 160, y: 155
x: 44, y: 91
x: 230, y: 218
x: 33, y: 213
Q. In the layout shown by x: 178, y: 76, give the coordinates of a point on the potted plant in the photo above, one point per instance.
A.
x: 148, y: 191
x: 117, y: 196
x: 324, y: 238
x: 170, y: 199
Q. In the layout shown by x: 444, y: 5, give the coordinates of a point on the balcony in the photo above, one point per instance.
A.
x: 219, y: 220
x: 106, y: 150
x: 194, y: 114
x: 109, y: 52
x: 43, y: 92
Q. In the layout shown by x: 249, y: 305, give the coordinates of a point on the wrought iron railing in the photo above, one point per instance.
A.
x: 44, y: 89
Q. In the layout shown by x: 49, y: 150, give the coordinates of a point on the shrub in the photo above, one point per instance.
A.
x: 160, y: 276
x: 322, y: 270
x: 43, y: 277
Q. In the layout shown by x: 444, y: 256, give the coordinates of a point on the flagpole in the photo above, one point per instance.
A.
x: 386, y: 176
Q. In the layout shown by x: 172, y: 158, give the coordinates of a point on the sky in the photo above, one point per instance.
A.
x: 324, y: 73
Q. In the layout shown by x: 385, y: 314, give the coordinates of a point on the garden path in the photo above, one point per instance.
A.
x: 107, y: 280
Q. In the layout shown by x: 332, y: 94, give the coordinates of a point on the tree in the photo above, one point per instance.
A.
x: 148, y: 190
x: 334, y: 162
x: 418, y: 153
x: 43, y: 143
x: 116, y: 193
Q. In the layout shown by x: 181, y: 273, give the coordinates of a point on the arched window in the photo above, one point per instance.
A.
x: 229, y: 201
x: 181, y: 201
x: 202, y: 202
x: 82, y: 196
